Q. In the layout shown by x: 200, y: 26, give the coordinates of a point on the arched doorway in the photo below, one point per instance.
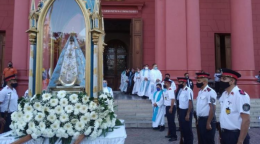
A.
x: 115, y: 61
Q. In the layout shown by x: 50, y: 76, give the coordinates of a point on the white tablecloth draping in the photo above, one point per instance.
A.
x: 118, y: 136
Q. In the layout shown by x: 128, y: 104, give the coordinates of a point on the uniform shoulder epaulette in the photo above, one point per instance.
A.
x: 208, y: 89
x: 242, y: 92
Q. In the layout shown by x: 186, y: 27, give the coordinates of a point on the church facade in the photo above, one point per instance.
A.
x: 179, y: 35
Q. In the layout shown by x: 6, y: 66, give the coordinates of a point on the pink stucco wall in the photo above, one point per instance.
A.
x: 256, y: 31
x: 214, y: 18
x: 6, y: 24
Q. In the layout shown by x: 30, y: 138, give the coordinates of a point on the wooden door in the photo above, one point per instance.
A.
x: 2, y: 45
x: 228, y: 51
x: 115, y: 61
x: 137, y: 43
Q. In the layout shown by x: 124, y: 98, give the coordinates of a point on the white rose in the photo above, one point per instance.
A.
x: 88, y: 131
x: 74, y: 121
x: 39, y: 117
x: 54, y: 102
x: 93, y: 134
x: 64, y: 118
x: 64, y: 102
x: 61, y: 94
x: 71, y: 132
x: 51, y: 117
x: 21, y: 124
x: 77, y: 106
x: 69, y: 109
x: 31, y: 125
x: 42, y: 126
x: 37, y: 106
x: 29, y: 131
x: 67, y: 126
x: 55, y: 126
x: 45, y: 109
x: 19, y: 115
x: 79, y: 126
x: 14, y: 116
x: 74, y: 98
x: 83, y: 109
x: 27, y: 116
x: 96, y: 125
x: 59, y: 110
x: 46, y: 96
x: 76, y: 111
x: 92, y: 106
x: 93, y: 116
x: 85, y: 118
x: 20, y: 108
x: 85, y: 99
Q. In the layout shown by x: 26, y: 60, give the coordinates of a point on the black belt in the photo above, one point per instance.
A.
x: 226, y: 130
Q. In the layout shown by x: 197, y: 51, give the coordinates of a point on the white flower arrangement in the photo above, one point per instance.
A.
x: 64, y: 116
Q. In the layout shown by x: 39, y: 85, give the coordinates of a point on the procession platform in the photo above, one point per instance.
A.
x: 118, y: 136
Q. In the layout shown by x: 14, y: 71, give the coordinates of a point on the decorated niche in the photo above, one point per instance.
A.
x: 66, y: 46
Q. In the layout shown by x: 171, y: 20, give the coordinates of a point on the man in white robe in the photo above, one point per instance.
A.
x: 155, y: 78
x: 126, y: 81
x: 137, y: 80
x: 145, y: 80
x: 158, y: 108
x: 122, y: 80
x: 107, y: 89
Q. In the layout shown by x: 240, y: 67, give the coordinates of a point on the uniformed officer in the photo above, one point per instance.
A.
x: 235, y: 110
x: 170, y: 109
x: 185, y: 110
x: 206, y: 105
x: 8, y: 101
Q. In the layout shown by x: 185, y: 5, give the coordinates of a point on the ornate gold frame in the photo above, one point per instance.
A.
x: 39, y: 59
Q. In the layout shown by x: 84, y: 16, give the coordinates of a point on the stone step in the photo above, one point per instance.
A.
x: 137, y: 113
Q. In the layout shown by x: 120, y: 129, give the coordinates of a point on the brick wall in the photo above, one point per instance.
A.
x: 214, y: 18
x: 256, y: 31
x: 6, y: 24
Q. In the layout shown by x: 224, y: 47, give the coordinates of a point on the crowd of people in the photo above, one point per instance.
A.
x: 143, y: 82
x: 168, y: 101
x: 234, y: 115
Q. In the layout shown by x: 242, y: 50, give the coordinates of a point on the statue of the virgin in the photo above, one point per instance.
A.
x: 70, y: 69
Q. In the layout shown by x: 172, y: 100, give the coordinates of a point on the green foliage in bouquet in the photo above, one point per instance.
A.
x: 63, y: 117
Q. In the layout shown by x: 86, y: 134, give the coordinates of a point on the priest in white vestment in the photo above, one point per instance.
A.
x: 158, y: 108
x: 145, y: 80
x: 122, y: 80
x: 137, y: 80
x: 107, y: 89
x: 155, y: 78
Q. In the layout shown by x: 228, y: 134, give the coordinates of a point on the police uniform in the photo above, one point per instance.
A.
x: 184, y: 97
x: 205, y: 97
x: 232, y: 105
x: 168, y: 95
x: 7, y: 94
